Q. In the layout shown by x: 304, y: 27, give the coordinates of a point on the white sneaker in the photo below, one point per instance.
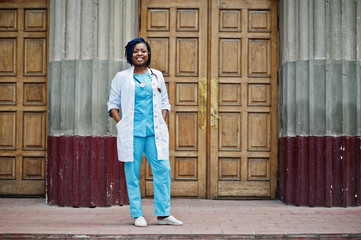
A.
x: 170, y: 221
x: 140, y: 222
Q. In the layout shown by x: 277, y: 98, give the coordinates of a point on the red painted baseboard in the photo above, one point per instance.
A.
x: 320, y: 171
x: 84, y: 172
x: 313, y: 171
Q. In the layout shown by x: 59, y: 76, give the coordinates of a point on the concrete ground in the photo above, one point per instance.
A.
x: 30, y: 218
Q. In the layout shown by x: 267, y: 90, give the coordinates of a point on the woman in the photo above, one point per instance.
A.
x: 142, y: 95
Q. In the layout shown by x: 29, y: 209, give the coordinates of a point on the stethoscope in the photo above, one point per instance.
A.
x: 142, y: 84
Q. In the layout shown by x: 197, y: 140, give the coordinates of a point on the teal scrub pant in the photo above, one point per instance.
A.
x: 161, y: 178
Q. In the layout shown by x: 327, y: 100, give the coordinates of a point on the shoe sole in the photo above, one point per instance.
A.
x: 168, y: 223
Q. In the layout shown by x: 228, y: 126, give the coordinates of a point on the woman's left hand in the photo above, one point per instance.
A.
x: 164, y: 114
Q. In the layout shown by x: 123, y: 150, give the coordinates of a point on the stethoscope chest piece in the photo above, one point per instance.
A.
x: 142, y: 84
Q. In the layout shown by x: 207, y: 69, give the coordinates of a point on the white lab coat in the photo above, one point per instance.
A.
x: 122, y: 94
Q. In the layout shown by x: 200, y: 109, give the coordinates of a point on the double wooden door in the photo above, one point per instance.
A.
x: 23, y: 96
x: 219, y: 59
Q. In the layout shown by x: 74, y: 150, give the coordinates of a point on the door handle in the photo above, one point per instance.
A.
x: 215, y: 115
x: 214, y: 103
x: 202, y: 95
x: 214, y: 118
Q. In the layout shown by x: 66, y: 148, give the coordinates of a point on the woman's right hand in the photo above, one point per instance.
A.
x: 115, y: 114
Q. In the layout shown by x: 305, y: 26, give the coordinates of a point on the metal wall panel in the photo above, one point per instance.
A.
x: 85, y: 172
x: 320, y: 171
x: 320, y: 74
x: 320, y: 102
x: 86, y: 40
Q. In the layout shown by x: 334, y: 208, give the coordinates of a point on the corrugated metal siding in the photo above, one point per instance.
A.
x: 320, y: 102
x: 85, y: 172
x: 322, y: 29
x: 86, y: 49
x: 320, y: 171
x: 320, y: 74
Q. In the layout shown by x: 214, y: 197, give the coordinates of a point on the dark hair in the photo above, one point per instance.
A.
x: 129, y: 48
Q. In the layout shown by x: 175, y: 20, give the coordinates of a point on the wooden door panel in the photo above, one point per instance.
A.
x: 259, y: 95
x: 187, y: 57
x: 8, y: 56
x: 230, y: 131
x: 34, y: 137
x: 186, y: 168
x: 7, y: 130
x: 35, y: 60
x: 229, y: 168
x: 259, y: 57
x: 259, y: 20
x: 230, y: 20
x: 34, y: 94
x: 177, y: 33
x: 7, y: 168
x: 259, y: 132
x: 33, y: 168
x: 187, y: 19
x: 179, y: 189
x: 23, y: 96
x: 158, y: 19
x: 229, y: 94
x: 230, y: 51
x: 243, y: 149
x: 22, y: 187
x: 186, y: 131
x: 187, y: 94
x: 35, y: 20
x: 258, y: 169
x: 160, y: 54
x: 7, y: 93
x: 8, y: 20
x: 241, y: 189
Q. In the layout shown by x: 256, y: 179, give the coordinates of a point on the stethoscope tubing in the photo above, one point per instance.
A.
x: 142, y: 84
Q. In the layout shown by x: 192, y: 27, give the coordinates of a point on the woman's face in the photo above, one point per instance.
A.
x: 140, y: 55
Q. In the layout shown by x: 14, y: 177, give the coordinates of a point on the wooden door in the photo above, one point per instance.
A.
x: 23, y: 96
x: 177, y: 33
x: 243, y: 99
x: 223, y: 145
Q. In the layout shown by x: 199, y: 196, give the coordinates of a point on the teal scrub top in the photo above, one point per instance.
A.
x: 143, y: 106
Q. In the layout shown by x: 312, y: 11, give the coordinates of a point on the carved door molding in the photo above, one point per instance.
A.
x: 23, y: 96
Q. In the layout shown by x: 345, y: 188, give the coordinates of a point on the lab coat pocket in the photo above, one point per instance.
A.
x: 163, y: 121
x: 163, y: 149
x: 118, y: 125
x: 120, y: 130
x: 120, y: 139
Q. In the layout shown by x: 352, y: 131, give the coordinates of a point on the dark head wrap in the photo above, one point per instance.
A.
x: 129, y: 48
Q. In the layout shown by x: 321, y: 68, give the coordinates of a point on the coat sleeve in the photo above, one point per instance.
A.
x: 115, y: 95
x: 164, y: 95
